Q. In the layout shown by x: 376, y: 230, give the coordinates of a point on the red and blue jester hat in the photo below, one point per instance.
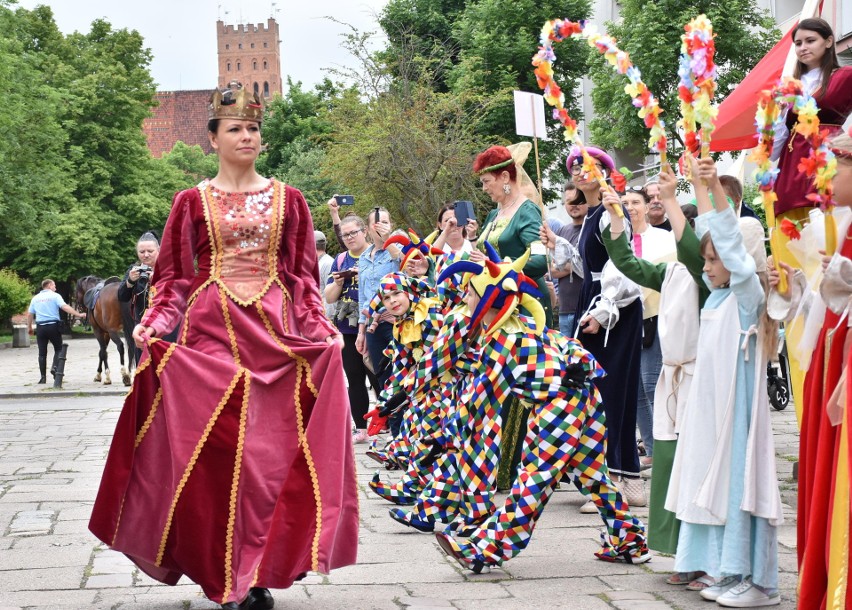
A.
x: 500, y: 285
x: 411, y: 246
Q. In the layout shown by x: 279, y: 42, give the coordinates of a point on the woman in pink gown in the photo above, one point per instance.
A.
x: 232, y: 459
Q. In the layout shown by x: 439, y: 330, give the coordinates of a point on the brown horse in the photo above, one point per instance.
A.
x: 107, y: 316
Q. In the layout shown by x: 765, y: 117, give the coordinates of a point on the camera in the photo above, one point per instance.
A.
x: 144, y: 271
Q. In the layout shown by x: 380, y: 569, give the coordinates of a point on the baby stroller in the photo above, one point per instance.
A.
x: 777, y: 381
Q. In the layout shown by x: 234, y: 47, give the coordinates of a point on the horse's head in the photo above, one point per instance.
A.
x: 84, y: 284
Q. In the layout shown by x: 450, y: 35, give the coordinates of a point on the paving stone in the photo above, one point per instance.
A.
x: 101, y: 581
x: 48, y: 579
x: 31, y: 522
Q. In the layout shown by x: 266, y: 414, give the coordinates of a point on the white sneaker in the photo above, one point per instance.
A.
x: 359, y: 437
x: 633, y: 491
x: 589, y: 508
x: 747, y: 595
x: 720, y: 588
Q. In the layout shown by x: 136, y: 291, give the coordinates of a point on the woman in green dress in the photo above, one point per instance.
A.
x: 512, y: 228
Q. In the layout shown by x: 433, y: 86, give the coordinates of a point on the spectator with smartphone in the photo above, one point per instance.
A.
x: 324, y: 261
x: 334, y: 211
x: 341, y: 293
x: 453, y: 237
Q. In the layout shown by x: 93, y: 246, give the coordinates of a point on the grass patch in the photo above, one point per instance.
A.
x: 5, y: 338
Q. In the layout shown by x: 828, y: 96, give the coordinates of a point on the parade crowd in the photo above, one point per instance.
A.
x: 515, y: 355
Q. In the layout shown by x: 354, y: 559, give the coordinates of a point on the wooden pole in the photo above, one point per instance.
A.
x: 535, y: 147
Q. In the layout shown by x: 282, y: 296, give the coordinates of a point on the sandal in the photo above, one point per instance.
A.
x: 683, y: 578
x: 699, y: 584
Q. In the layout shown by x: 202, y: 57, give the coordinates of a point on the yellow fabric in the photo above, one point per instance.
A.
x: 498, y: 226
x: 793, y: 330
x: 410, y: 329
x: 838, y: 541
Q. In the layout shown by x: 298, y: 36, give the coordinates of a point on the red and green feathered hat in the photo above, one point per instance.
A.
x: 413, y: 287
x: 501, y: 285
x: 411, y: 246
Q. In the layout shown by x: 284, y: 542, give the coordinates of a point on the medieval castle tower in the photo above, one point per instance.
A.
x: 249, y: 53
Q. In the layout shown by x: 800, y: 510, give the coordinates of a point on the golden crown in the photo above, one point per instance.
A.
x: 235, y: 102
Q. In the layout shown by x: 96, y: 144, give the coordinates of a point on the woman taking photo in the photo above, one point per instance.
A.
x: 232, y: 458
x: 342, y: 293
x: 450, y: 236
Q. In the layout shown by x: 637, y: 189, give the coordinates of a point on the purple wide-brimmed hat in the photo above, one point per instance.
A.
x: 576, y: 156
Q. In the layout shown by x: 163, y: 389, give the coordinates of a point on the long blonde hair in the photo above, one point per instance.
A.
x: 767, y: 328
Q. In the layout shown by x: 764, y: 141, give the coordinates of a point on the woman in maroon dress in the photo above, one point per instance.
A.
x: 232, y: 459
x: 831, y: 86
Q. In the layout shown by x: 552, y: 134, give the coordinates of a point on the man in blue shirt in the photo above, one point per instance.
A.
x: 44, y: 312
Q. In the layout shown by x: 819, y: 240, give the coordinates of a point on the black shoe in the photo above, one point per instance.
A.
x: 231, y: 606
x: 260, y: 599
x: 42, y: 379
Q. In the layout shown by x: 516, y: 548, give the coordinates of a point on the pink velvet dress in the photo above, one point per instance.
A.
x: 232, y: 459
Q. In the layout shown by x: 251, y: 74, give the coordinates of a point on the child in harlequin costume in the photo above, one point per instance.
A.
x: 466, y: 449
x: 419, y: 316
x: 566, y: 434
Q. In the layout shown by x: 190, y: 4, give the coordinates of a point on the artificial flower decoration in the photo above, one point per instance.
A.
x: 820, y: 165
x: 697, y: 86
x: 791, y: 229
x: 558, y: 30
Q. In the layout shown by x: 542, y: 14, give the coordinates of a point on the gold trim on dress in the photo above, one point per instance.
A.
x: 235, y: 483
x: 199, y: 446
x: 235, y: 351
x: 302, y: 367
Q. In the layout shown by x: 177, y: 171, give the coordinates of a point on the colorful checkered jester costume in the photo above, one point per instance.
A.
x: 422, y: 415
x: 465, y: 436
x: 566, y: 430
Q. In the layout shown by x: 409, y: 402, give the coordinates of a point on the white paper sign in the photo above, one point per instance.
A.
x: 529, y: 115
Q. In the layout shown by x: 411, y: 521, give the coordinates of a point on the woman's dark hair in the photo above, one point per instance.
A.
x: 213, y: 125
x: 448, y: 207
x: 829, y: 61
x: 638, y: 190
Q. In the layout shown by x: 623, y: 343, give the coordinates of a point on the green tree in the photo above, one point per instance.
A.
x: 192, y: 161
x: 650, y: 32
x: 487, y: 48
x: 400, y: 143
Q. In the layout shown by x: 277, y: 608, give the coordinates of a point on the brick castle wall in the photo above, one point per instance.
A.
x: 181, y: 116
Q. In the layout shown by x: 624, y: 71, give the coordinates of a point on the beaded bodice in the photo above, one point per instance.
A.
x: 245, y: 231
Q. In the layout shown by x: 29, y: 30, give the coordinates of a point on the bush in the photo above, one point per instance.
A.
x: 15, y: 294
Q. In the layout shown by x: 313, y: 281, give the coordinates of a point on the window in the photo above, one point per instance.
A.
x: 265, y: 65
x: 265, y: 44
x: 238, y: 66
x: 265, y: 89
x: 256, y: 89
x: 254, y: 65
x: 227, y: 47
x: 241, y: 45
x: 229, y: 66
x: 252, y: 45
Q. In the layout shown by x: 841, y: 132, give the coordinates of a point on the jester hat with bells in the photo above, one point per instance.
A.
x: 501, y: 285
x: 407, y: 330
x: 411, y: 246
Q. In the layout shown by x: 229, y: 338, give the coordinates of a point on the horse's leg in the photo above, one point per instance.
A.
x: 99, y: 339
x: 104, y: 358
x: 116, y: 338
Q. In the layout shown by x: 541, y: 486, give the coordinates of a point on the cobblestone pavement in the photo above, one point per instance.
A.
x: 52, y: 449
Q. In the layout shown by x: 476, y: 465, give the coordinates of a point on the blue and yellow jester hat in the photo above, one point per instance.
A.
x: 500, y: 285
x: 411, y: 246
x: 413, y: 287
